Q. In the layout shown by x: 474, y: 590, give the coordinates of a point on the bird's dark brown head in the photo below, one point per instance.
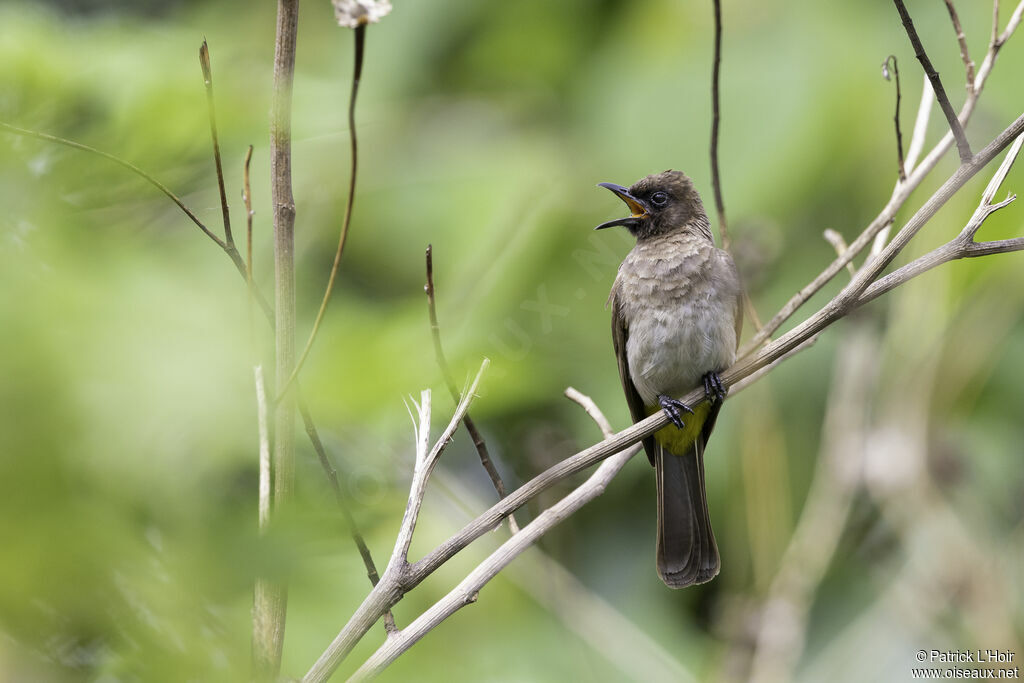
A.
x: 660, y: 204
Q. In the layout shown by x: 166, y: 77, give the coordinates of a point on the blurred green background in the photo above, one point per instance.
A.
x: 127, y: 413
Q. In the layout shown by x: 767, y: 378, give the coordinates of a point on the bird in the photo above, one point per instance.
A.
x: 676, y: 308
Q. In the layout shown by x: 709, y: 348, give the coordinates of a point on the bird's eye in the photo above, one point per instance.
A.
x: 659, y: 199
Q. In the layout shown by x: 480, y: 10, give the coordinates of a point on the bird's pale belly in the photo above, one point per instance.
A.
x: 671, y: 348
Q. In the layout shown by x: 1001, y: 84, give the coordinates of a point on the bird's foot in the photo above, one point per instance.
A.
x: 674, y: 409
x: 714, y: 390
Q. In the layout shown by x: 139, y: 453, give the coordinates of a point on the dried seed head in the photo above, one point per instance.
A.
x: 353, y: 13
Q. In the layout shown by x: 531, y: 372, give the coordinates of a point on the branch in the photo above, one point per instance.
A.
x: 442, y: 362
x: 247, y: 199
x: 468, y: 589
x: 426, y: 460
x: 120, y: 162
x: 839, y: 244
x: 963, y: 245
x: 873, y: 268
x: 357, y: 71
x: 228, y: 249
x: 902, y: 173
x: 742, y: 369
x: 385, y: 594
x: 264, y: 450
x: 924, y: 110
x: 271, y: 597
x: 900, y: 194
x: 389, y: 590
x: 998, y: 41
x: 947, y: 109
x: 244, y: 268
x: 962, y: 41
x: 995, y: 21
x: 716, y: 181
x: 204, y: 62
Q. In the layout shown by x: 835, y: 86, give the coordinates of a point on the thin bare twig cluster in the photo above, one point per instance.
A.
x: 782, y: 621
x: 865, y: 286
x: 442, y: 362
x: 756, y: 358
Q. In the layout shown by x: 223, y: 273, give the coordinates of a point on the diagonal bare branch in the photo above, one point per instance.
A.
x: 962, y: 41
x: 900, y: 194
x: 388, y: 592
x: 467, y: 591
x: 446, y: 372
x: 954, y: 123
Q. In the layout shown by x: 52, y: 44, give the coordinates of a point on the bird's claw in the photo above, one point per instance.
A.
x: 673, y: 410
x: 714, y: 390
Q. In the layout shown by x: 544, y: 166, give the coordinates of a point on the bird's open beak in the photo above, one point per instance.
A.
x: 637, y: 208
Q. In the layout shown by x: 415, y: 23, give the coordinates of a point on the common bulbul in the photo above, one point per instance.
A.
x: 676, y: 316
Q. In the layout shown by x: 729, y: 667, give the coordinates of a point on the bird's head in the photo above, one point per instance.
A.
x: 659, y: 204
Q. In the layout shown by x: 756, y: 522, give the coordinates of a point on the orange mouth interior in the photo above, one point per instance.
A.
x: 635, y: 208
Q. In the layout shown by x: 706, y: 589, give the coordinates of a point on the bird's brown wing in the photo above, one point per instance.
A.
x: 620, y: 335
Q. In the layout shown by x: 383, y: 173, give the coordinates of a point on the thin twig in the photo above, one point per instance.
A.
x: 743, y: 368
x: 446, y: 372
x: 126, y: 164
x: 940, y: 93
x: 387, y: 593
x: 228, y: 249
x: 924, y: 110
x: 901, y: 167
x: 716, y: 181
x: 204, y: 62
x: 426, y: 460
x: 248, y: 199
x: 962, y: 40
x: 264, y: 449
x: 900, y: 195
x: 467, y: 591
x: 350, y: 522
x: 995, y: 22
x: 839, y: 244
x: 244, y: 269
x: 997, y: 179
x: 389, y: 590
x: 357, y: 71
x: 997, y: 44
x: 587, y: 403
x: 756, y: 376
x: 963, y: 245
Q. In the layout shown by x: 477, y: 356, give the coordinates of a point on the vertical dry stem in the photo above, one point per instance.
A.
x: 271, y: 597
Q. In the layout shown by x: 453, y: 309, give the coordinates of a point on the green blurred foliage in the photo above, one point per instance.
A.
x: 127, y: 416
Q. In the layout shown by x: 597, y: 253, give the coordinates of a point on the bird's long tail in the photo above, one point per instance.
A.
x: 687, y: 552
